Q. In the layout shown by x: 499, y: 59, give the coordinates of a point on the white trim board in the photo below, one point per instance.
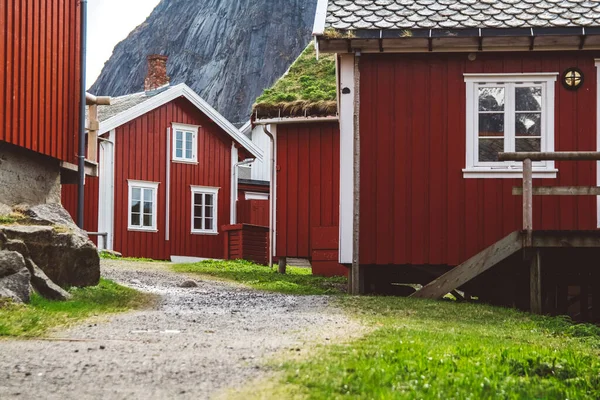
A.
x: 205, y: 190
x: 106, y: 192
x: 597, y: 62
x: 346, y: 103
x: 143, y: 185
x: 181, y: 90
x: 320, y: 16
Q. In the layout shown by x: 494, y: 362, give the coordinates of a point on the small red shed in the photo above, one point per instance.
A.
x: 165, y: 184
x: 429, y: 94
x: 304, y: 125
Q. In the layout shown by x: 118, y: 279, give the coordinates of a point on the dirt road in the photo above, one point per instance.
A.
x: 196, y: 343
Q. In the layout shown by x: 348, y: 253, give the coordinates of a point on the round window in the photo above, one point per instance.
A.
x: 572, y: 78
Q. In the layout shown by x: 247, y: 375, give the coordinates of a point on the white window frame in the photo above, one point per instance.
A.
x: 508, y: 169
x: 211, y: 191
x: 133, y: 184
x: 193, y: 129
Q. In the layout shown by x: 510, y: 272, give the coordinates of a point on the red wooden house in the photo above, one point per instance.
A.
x: 166, y: 160
x: 429, y: 94
x: 306, y: 134
x: 39, y: 99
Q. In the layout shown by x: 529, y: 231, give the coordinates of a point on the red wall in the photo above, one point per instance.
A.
x: 416, y: 207
x: 39, y: 76
x: 90, y: 216
x: 253, y: 212
x: 308, y: 163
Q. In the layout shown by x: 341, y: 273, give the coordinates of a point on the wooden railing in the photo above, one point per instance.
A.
x: 528, y: 191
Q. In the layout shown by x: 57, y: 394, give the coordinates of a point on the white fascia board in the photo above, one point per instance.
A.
x: 320, y: 16
x: 295, y: 120
x: 171, y: 94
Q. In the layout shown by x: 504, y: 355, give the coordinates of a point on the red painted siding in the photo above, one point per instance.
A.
x: 253, y: 212
x: 307, y: 184
x: 90, y: 216
x: 39, y: 79
x: 416, y: 207
x: 247, y: 242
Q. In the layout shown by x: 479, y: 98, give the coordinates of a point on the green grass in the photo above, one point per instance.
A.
x: 308, y: 81
x: 108, y: 256
x: 296, y: 281
x: 443, y: 350
x: 36, y: 318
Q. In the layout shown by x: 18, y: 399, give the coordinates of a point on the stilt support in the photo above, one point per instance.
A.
x: 535, y: 283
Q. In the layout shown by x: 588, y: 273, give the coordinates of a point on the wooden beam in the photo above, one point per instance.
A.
x: 535, y: 283
x: 471, y: 268
x: 528, y: 200
x: 561, y: 191
x: 562, y: 239
x: 92, y: 146
x: 547, y: 156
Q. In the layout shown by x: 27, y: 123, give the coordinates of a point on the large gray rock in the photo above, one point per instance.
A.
x: 39, y: 280
x: 49, y: 214
x: 66, y: 255
x: 14, y: 277
x: 228, y: 51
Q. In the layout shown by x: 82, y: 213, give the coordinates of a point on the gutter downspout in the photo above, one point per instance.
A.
x: 82, y: 101
x: 271, y: 196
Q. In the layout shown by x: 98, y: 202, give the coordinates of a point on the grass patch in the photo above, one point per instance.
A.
x: 296, y: 281
x: 109, y: 256
x: 443, y: 350
x: 309, y: 87
x: 36, y: 318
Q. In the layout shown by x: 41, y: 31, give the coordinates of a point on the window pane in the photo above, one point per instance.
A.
x: 136, y: 194
x: 198, y: 199
x: 179, y: 144
x: 528, y: 145
x: 188, y: 153
x: 208, y: 212
x: 135, y: 206
x: 208, y: 224
x: 528, y: 124
x: 489, y: 149
x: 491, y: 124
x: 491, y: 99
x: 198, y: 223
x: 135, y: 219
x: 147, y: 220
x: 198, y: 211
x: 209, y: 199
x: 189, y: 137
x: 528, y: 98
x: 148, y: 207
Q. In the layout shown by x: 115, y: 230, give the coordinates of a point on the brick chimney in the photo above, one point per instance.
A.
x: 157, y: 72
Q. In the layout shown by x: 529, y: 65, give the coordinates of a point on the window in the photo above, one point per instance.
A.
x: 185, y: 143
x: 204, y: 209
x: 142, y: 205
x: 508, y: 113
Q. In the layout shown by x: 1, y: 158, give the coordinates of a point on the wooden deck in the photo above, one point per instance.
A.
x: 558, y: 273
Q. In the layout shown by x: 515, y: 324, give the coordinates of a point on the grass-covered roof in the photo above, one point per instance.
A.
x: 307, y: 89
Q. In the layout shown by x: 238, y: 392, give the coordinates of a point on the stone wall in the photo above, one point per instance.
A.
x: 27, y: 177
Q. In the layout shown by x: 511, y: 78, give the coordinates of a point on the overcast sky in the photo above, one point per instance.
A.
x: 109, y: 22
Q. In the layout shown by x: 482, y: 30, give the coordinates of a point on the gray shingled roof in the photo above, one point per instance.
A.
x: 457, y: 14
x: 122, y: 103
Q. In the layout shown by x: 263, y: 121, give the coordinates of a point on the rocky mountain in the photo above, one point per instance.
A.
x: 228, y: 51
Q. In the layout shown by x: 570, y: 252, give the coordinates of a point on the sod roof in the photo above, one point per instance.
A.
x: 308, y: 89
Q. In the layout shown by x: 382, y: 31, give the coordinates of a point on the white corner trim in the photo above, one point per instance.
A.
x: 346, y: 104
x: 205, y: 190
x: 106, y: 192
x: 320, y: 16
x: 168, y: 189
x: 131, y: 183
x: 234, y: 186
x: 168, y: 95
x: 597, y: 62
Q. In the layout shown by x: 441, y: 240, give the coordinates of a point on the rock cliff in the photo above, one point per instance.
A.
x: 228, y: 51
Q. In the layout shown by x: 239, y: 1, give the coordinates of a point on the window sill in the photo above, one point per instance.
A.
x: 149, y: 230
x: 184, y: 162
x: 205, y: 233
x: 481, y: 173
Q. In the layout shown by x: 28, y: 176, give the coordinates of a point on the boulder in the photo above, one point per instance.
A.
x: 39, y: 280
x: 49, y: 214
x: 14, y: 277
x: 63, y: 252
x: 5, y: 210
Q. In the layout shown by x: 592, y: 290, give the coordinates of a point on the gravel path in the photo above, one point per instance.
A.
x: 196, y: 343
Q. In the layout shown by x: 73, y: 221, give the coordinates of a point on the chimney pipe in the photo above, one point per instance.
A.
x: 157, y: 73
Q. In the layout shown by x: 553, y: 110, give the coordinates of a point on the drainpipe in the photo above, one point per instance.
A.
x: 82, y: 100
x: 357, y: 278
x: 271, y: 196
x: 235, y: 182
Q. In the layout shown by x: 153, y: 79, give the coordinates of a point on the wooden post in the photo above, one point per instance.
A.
x: 528, y: 201
x: 282, y: 265
x: 535, y: 283
x: 93, y: 125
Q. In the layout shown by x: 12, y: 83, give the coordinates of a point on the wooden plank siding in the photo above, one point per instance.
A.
x: 90, y: 214
x: 308, y: 162
x: 416, y: 207
x: 39, y: 79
